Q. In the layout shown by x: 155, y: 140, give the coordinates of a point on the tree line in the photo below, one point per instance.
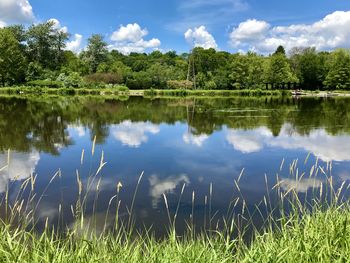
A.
x: 37, y: 56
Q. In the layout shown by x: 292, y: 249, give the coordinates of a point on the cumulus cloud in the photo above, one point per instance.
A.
x: 248, y: 31
x: 196, y: 140
x: 331, y: 32
x: 200, y: 37
x: 319, y: 142
x: 130, y: 38
x: 16, y: 11
x: 57, y: 25
x: 158, y: 187
x: 2, y: 24
x: 21, y: 166
x: 133, y: 134
x: 130, y: 32
x: 75, y: 44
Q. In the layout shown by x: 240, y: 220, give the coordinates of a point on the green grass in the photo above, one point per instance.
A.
x: 321, y: 237
x: 313, y: 229
x: 26, y: 90
x: 122, y: 90
x: 214, y: 93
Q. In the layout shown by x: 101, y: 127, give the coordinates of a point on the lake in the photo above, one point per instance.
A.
x: 204, y: 144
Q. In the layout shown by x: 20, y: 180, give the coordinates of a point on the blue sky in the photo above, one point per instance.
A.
x: 232, y: 25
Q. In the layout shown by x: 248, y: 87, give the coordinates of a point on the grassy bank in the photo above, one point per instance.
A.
x: 122, y: 90
x: 321, y: 237
x: 162, y: 93
x: 296, y: 229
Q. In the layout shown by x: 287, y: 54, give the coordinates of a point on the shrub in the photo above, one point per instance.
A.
x: 122, y: 88
x: 139, y: 80
x: 72, y: 80
x: 107, y: 78
x: 45, y: 83
x: 180, y: 84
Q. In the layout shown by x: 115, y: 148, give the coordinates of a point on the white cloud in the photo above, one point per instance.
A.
x: 21, y: 166
x: 319, y: 142
x: 248, y: 31
x: 158, y: 187
x: 57, y: 25
x: 75, y: 44
x: 196, y: 140
x: 331, y: 32
x: 200, y: 37
x: 130, y: 32
x: 130, y: 38
x: 16, y: 11
x: 300, y: 186
x: 133, y: 134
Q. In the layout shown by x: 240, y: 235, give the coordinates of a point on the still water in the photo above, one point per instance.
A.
x: 202, y: 143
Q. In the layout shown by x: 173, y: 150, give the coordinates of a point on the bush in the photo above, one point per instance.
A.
x: 139, y: 80
x: 180, y: 84
x: 45, y: 83
x: 72, y: 80
x: 107, y: 78
x: 122, y: 88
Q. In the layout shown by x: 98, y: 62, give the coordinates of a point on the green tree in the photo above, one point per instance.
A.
x: 309, y: 67
x: 72, y: 63
x: 12, y: 61
x: 96, y: 52
x: 46, y: 44
x: 280, y: 50
x: 239, y: 71
x: 338, y: 76
x: 256, y: 67
x: 279, y: 71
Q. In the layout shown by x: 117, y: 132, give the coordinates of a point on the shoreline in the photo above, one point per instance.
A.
x: 160, y: 93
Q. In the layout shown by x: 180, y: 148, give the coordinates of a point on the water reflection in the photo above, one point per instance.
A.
x: 300, y: 186
x: 133, y: 134
x: 193, y: 139
x: 158, y: 186
x: 248, y: 141
x: 175, y: 141
x: 16, y: 167
x: 319, y: 142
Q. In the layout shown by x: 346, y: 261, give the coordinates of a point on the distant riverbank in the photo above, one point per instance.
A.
x: 124, y: 91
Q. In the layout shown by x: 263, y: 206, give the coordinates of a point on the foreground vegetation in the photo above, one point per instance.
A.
x: 37, y: 56
x: 312, y: 228
x: 321, y: 237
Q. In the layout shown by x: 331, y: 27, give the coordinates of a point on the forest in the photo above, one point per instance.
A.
x: 37, y: 57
